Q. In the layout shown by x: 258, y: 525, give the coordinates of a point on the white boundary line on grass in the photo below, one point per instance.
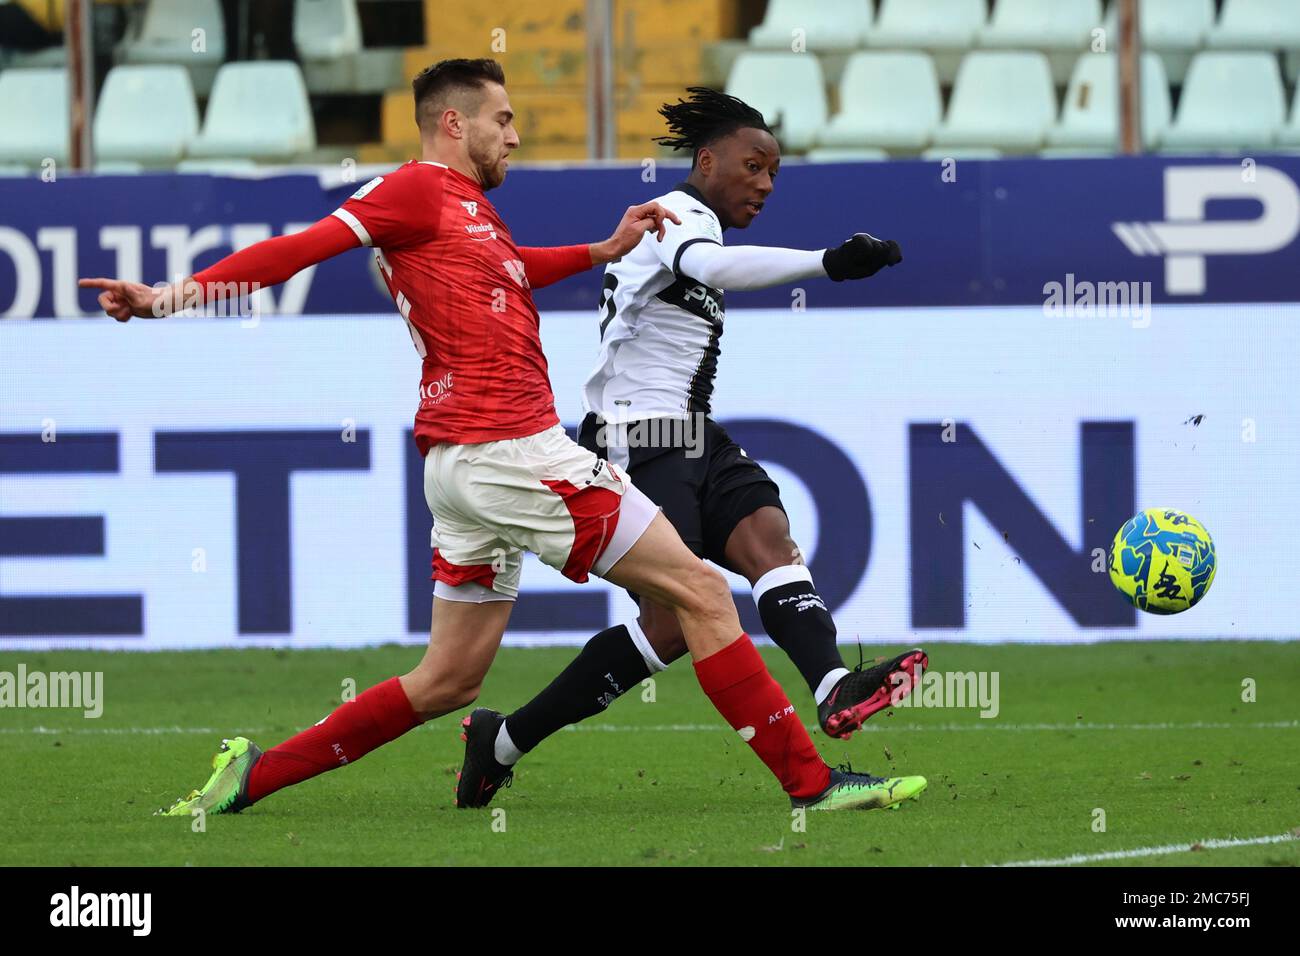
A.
x: 879, y: 728
x: 127, y: 731
x: 983, y: 725
x: 1152, y: 851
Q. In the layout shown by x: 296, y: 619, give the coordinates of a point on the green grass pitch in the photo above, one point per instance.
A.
x: 1156, y: 735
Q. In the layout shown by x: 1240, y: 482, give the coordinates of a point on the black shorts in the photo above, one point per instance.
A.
x: 706, y: 485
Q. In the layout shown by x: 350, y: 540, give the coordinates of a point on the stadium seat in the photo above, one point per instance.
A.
x: 34, y: 116
x: 216, y: 167
x: 1174, y: 29
x: 927, y: 24
x: 787, y: 88
x: 826, y: 24
x: 1060, y: 28
x: 171, y: 34
x: 1229, y: 101
x: 1168, y: 24
x: 945, y: 29
x: 1290, y: 133
x: 888, y: 99
x: 845, y: 154
x: 938, y: 154
x: 327, y: 36
x: 1090, y: 116
x: 1002, y: 100
x: 258, y: 110
x: 1076, y: 152
x: 145, y: 114
x: 118, y: 167
x: 1042, y: 24
x: 326, y: 29
x: 1257, y: 25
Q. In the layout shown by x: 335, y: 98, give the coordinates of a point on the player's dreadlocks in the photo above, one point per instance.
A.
x: 705, y: 118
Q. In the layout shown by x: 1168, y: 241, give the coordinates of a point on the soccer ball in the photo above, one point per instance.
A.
x: 1162, y: 561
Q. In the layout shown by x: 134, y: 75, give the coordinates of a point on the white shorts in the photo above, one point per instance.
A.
x: 545, y: 493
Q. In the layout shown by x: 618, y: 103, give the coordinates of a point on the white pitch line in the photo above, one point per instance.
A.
x: 1152, y: 851
x: 983, y: 725
x: 877, y: 728
x: 125, y: 731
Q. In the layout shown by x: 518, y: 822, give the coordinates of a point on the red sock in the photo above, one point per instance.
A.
x: 379, y: 715
x: 737, y: 681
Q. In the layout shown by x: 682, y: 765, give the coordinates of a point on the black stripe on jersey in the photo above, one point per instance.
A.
x: 707, y: 304
x: 700, y: 391
x: 607, y: 301
x: 699, y: 300
x: 677, y: 259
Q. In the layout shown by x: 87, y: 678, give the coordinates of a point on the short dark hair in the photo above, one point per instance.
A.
x: 437, y: 83
x: 705, y: 118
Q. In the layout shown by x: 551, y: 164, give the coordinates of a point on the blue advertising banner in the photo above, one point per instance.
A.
x: 1007, y: 232
x: 950, y: 474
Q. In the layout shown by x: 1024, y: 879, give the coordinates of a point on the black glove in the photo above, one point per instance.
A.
x: 863, y: 255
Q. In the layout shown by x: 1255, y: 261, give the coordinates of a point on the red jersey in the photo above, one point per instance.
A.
x: 459, y: 282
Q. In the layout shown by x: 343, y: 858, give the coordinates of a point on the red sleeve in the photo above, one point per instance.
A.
x: 274, y: 260
x: 400, y: 209
x: 544, y: 265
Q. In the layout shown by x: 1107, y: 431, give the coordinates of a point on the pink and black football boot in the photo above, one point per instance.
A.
x: 865, y: 691
x: 480, y: 775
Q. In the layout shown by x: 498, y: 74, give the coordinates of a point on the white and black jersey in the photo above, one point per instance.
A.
x: 660, y: 329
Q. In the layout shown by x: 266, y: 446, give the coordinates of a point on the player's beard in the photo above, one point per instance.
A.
x: 485, y: 154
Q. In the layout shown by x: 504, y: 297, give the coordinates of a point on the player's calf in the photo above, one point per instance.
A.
x: 662, y: 631
x: 610, y: 664
x: 463, y: 642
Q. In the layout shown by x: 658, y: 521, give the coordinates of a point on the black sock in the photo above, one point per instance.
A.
x: 795, y: 617
x: 604, y: 669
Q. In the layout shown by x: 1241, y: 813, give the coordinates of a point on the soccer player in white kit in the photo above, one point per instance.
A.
x: 649, y: 405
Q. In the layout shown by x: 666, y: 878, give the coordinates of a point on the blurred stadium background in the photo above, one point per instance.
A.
x: 193, y: 83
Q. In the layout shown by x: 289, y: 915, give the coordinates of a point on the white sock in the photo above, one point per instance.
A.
x: 778, y: 576
x: 642, y: 643
x: 505, y: 751
x: 823, y: 689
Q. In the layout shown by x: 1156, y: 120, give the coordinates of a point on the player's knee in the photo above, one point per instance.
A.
x: 761, y: 543
x: 706, y: 592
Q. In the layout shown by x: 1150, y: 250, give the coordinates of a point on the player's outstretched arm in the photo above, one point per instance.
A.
x: 741, y: 268
x: 547, y: 264
x: 262, y: 264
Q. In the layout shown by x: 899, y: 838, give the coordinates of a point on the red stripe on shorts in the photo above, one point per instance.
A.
x: 595, y: 516
x: 458, y: 574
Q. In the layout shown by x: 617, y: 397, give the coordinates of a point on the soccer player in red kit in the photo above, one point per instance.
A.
x: 501, y: 477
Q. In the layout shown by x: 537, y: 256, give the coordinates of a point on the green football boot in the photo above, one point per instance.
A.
x: 227, y: 789
x: 862, y: 791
